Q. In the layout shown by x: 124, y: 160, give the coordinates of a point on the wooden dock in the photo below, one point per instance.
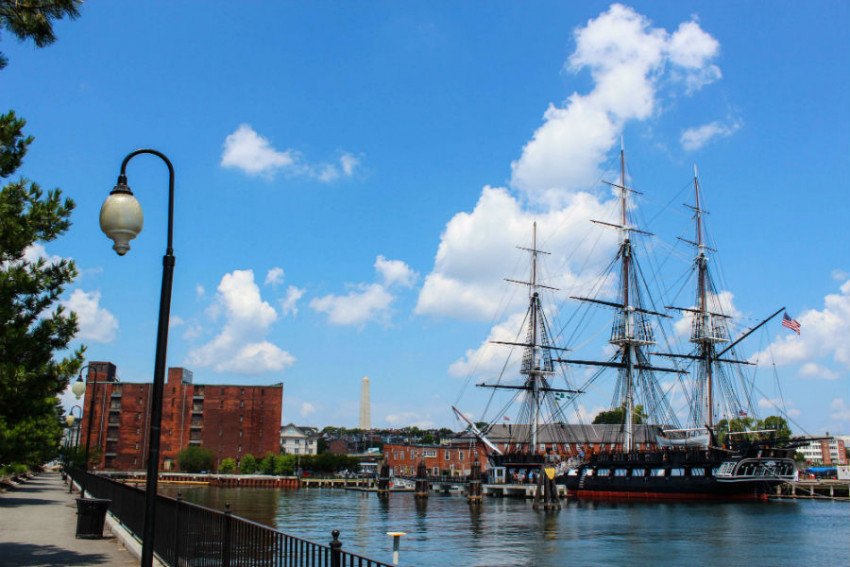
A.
x: 815, y: 490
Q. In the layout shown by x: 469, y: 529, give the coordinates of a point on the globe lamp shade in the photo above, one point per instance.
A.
x: 69, y: 420
x: 78, y: 388
x: 121, y: 218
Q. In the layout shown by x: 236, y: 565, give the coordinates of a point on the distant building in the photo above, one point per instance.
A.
x: 295, y: 440
x: 830, y: 451
x: 339, y: 447
x: 230, y: 420
x: 440, y: 460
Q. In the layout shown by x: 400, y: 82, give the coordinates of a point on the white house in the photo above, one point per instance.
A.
x: 295, y: 440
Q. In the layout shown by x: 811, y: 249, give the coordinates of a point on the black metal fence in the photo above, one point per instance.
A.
x: 192, y: 535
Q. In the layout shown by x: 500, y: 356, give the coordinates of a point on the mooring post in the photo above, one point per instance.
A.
x: 336, y: 549
x: 474, y: 495
x: 422, y: 485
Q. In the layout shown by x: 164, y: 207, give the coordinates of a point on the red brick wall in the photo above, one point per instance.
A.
x: 230, y: 420
x: 439, y: 459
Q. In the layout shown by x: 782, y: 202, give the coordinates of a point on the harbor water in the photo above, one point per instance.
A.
x: 446, y: 531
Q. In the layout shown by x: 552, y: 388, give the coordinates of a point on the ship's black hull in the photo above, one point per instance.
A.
x: 673, y: 488
x: 751, y: 474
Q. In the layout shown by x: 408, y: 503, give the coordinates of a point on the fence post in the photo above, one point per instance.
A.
x: 177, y: 535
x: 225, y: 540
x: 336, y: 549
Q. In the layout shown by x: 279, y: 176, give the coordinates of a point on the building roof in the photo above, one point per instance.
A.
x: 567, y: 433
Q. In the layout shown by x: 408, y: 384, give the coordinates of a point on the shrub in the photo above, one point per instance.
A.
x: 248, y: 464
x: 194, y: 459
x: 227, y: 466
x: 266, y: 466
x: 284, y: 465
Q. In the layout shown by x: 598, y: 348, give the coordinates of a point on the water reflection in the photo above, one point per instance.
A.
x: 446, y: 530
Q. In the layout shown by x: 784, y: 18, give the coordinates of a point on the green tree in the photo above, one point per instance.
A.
x: 195, y: 459
x: 248, y: 464
x: 227, y: 466
x: 33, y: 19
x: 617, y: 416
x: 284, y: 465
x: 779, y: 425
x: 266, y: 465
x: 32, y: 328
x: 734, y: 425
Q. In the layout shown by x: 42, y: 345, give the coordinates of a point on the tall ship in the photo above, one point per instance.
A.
x: 644, y: 448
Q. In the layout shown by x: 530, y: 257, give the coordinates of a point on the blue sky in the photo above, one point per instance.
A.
x: 352, y: 179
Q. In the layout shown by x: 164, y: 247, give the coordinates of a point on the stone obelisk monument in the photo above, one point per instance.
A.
x: 365, y: 409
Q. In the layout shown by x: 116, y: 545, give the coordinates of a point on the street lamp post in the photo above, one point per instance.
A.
x: 74, y: 423
x: 121, y: 219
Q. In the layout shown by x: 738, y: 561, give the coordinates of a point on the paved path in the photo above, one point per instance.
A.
x: 37, y: 524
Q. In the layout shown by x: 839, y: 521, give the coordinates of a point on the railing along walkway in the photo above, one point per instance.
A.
x: 190, y: 534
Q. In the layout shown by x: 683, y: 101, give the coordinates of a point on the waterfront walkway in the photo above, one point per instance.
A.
x: 38, y: 520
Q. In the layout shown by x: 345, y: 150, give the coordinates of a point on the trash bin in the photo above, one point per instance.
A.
x: 91, y: 513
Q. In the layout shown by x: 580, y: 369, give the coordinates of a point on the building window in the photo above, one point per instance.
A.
x: 242, y: 391
x: 429, y: 452
x: 460, y: 455
x: 241, y: 403
x: 447, y: 455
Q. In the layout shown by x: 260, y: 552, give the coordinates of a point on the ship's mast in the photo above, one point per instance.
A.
x: 706, y: 339
x: 626, y: 249
x: 534, y: 374
x: 631, y: 332
x: 537, y: 361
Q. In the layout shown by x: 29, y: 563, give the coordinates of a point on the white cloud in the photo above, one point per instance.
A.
x: 840, y: 275
x: 692, y: 50
x: 395, y: 272
x: 367, y: 302
x: 175, y: 321
x: 823, y: 334
x: 721, y: 302
x: 246, y: 150
x: 627, y: 59
x: 697, y: 137
x: 96, y: 322
x: 363, y: 304
x: 840, y: 410
x: 274, y: 276
x: 200, y: 291
x: 348, y: 163
x: 254, y: 154
x: 478, y: 249
x: 289, y: 304
x: 488, y: 359
x: 307, y: 409
x: 241, y: 346
x: 37, y: 251
x: 814, y: 370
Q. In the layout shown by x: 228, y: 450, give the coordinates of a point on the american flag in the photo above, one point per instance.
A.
x: 742, y: 413
x: 792, y: 324
x: 506, y: 418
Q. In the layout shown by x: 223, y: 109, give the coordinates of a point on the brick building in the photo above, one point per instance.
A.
x: 231, y: 420
x: 824, y: 451
x: 440, y: 460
